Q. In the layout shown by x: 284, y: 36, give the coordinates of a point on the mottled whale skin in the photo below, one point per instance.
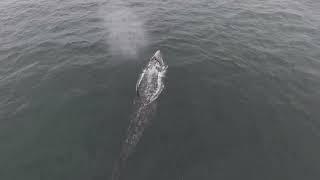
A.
x: 150, y: 83
x: 148, y: 88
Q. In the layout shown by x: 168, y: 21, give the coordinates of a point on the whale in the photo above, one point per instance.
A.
x: 150, y: 83
x: 149, y: 86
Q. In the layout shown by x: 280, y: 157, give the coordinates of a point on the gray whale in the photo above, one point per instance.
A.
x: 150, y: 83
x: 148, y: 88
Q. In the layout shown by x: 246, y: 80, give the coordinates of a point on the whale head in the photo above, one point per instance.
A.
x: 158, y: 57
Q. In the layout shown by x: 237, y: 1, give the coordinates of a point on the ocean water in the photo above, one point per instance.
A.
x: 241, y: 99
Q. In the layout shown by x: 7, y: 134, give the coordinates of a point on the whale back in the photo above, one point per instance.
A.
x: 150, y: 83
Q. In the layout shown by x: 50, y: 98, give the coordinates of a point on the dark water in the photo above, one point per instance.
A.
x: 241, y: 101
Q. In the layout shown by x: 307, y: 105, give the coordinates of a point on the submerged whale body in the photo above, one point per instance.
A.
x: 150, y: 83
x: 148, y: 88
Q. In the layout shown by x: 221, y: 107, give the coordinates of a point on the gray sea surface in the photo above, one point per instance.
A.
x: 241, y: 98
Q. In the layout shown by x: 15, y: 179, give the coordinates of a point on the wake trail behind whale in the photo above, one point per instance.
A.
x: 139, y: 122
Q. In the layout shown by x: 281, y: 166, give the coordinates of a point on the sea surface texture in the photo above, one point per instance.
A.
x: 241, y: 98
